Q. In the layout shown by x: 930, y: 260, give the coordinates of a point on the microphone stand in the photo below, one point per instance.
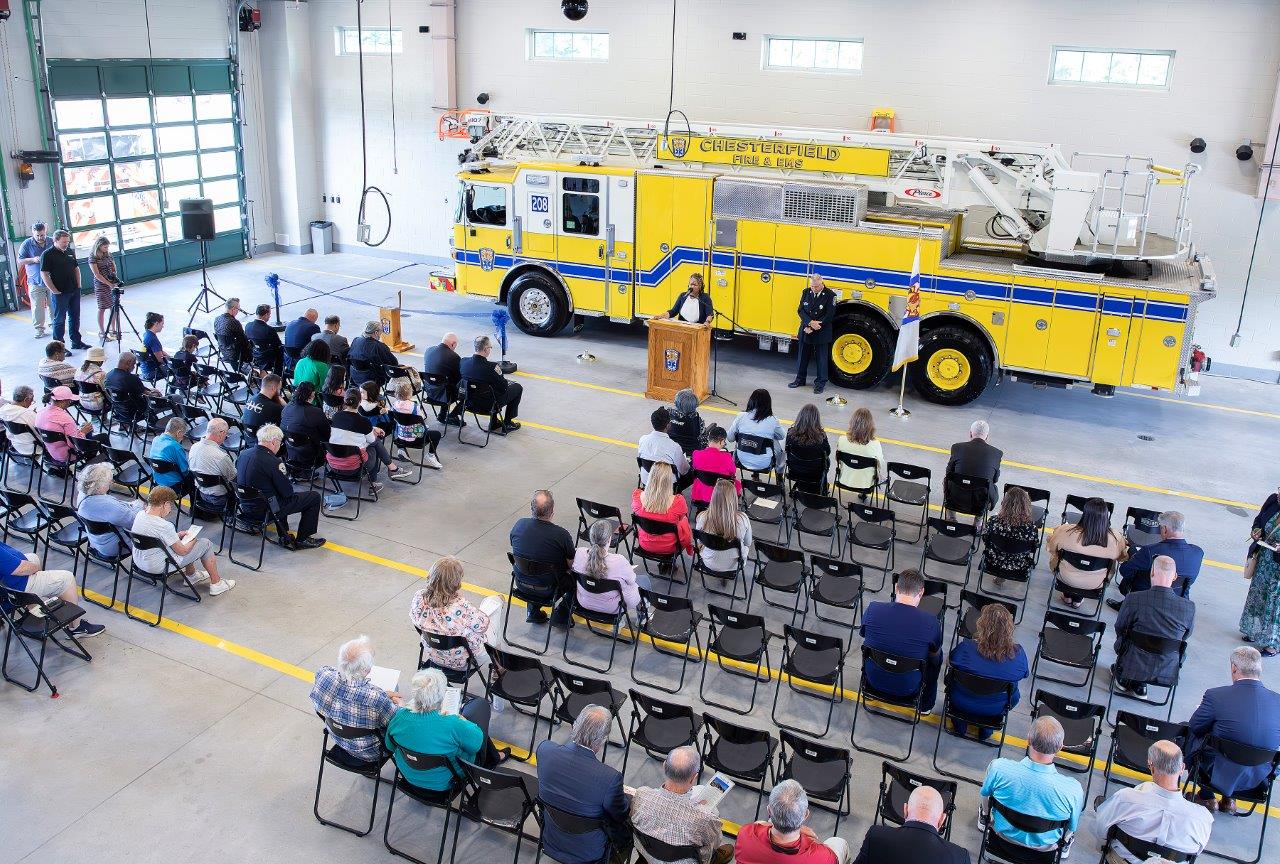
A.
x: 715, y: 357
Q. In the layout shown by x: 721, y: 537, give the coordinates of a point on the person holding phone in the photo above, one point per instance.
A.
x: 185, y: 546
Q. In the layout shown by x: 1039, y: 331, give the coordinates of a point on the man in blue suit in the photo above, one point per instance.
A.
x: 1245, y: 712
x: 902, y: 628
x: 1135, y: 574
x: 572, y: 778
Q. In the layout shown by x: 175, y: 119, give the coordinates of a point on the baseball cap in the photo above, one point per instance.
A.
x: 63, y: 394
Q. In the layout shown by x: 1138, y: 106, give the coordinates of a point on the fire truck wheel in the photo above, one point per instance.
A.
x: 537, y: 305
x: 861, y: 353
x: 954, y: 366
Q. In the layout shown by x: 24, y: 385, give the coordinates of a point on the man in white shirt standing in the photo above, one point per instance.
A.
x: 658, y: 446
x: 1155, y: 810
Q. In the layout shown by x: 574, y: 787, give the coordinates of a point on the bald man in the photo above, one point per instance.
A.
x: 1158, y: 611
x: 918, y: 840
x: 443, y: 360
x: 297, y: 334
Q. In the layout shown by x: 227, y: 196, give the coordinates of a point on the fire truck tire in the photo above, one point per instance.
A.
x: 861, y: 352
x: 953, y: 368
x: 538, y: 305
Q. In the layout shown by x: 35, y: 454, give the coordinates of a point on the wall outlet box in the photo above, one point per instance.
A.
x: 282, y: 239
x: 363, y: 232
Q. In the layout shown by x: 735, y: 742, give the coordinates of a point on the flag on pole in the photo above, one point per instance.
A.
x: 908, y: 347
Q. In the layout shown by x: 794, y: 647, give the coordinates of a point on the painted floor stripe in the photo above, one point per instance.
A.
x: 1209, y: 405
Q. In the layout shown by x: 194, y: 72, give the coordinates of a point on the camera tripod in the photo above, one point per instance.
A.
x: 203, y: 303
x: 113, y: 318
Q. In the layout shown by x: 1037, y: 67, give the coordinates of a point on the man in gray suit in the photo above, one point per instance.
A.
x: 1158, y: 611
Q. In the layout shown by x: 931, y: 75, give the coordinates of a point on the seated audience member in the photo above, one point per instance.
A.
x: 687, y: 428
x: 300, y: 417
x: 55, y: 365
x: 1015, y: 520
x: 297, y: 333
x: 338, y: 345
x: 374, y: 408
x: 1092, y: 535
x: 421, y: 727
x: 994, y: 652
x: 441, y: 609
x: 208, y: 457
x: 126, y: 391
x: 599, y: 560
x: 266, y: 349
x: 404, y: 435
x: 723, y: 519
x: 572, y: 778
x: 904, y: 629
x: 1244, y: 711
x: 975, y: 458
x: 1033, y: 786
x: 785, y: 838
x: 1155, y: 810
x: 182, y: 366
x: 539, y: 539
x: 97, y: 504
x: 677, y: 812
x: 335, y: 388
x: 657, y: 446
x: 1156, y: 611
x: 917, y: 840
x: 313, y: 368
x: 91, y: 373
x: 658, y: 500
x: 154, y: 521
x: 233, y: 345
x: 21, y: 571
x: 260, y: 468
x: 265, y: 406
x: 168, y: 446
x: 55, y: 417
x: 350, y: 429
x: 860, y: 440
x: 368, y: 348
x: 477, y: 369
x: 758, y: 420
x: 1135, y: 574
x: 716, y: 459
x: 808, y: 452
x: 20, y: 411
x: 442, y: 359
x: 154, y: 361
x: 344, y: 694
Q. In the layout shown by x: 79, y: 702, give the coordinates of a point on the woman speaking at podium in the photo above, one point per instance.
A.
x: 693, y: 306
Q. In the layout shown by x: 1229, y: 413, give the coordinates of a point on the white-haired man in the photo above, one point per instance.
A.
x: 209, y: 458
x: 973, y: 458
x: 817, y: 311
x: 1135, y: 574
x: 1034, y: 787
x: 572, y: 778
x: 677, y: 811
x: 261, y: 469
x: 1155, y: 810
x: 785, y: 838
x: 345, y: 694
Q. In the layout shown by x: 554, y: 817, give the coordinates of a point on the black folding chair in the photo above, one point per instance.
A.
x: 996, y: 845
x: 781, y: 570
x: 966, y: 495
x: 572, y: 823
x: 302, y: 457
x: 864, y: 494
x: 1142, y: 850
x: 816, y: 660
x: 643, y: 467
x: 816, y: 515
x: 1156, y: 646
x: 1083, y: 563
x: 437, y: 404
x: 103, y: 529
x: 335, y: 477
x: 651, y: 850
x: 669, y: 560
x: 1259, y: 797
x: 436, y: 799
x: 936, y: 599
x: 766, y: 504
x: 130, y: 472
x: 29, y: 618
x: 442, y: 644
x: 975, y: 723
x: 837, y: 584
x: 51, y: 466
x: 63, y: 531
x: 896, y: 786
x: 171, y: 570
x: 874, y: 529
x: 237, y: 438
x: 1073, y: 508
x: 405, y: 420
x: 575, y: 692
x: 754, y: 445
x: 949, y: 543
x: 739, y: 643
x: 599, y: 587
x: 1131, y: 738
x: 477, y: 398
x: 1081, y: 727
x: 870, y: 695
x: 251, y: 513
x: 21, y: 515
x: 1071, y: 642
x: 1141, y: 527
x: 1039, y: 509
x: 1007, y: 548
x: 823, y: 771
x: 533, y: 571
x: 15, y: 429
x: 342, y: 760
x: 212, y: 497
x: 668, y: 620
x: 658, y: 727
x: 740, y: 752
x: 733, y: 576
x: 524, y: 682
x: 971, y: 605
x: 590, y: 512
x: 909, y: 485
x: 497, y: 799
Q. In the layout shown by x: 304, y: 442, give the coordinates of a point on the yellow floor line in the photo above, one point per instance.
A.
x: 1209, y: 405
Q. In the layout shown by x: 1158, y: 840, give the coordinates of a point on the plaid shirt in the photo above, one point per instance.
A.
x: 355, y: 703
x: 676, y: 819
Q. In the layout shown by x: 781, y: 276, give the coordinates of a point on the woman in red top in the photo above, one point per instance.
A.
x: 657, y: 500
x: 716, y: 459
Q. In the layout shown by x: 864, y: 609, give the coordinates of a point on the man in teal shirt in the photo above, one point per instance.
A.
x: 1033, y: 786
x: 422, y: 728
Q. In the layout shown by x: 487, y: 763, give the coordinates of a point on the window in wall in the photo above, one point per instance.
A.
x: 813, y: 55
x: 568, y: 45
x: 1149, y: 69
x: 347, y: 41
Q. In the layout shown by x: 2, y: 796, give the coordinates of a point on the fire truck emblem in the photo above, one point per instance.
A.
x: 679, y: 145
x: 486, y: 259
x: 671, y: 357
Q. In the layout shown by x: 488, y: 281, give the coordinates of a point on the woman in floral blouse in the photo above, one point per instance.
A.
x: 1015, y: 521
x: 441, y: 609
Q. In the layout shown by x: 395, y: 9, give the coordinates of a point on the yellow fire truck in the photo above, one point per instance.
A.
x: 1033, y: 265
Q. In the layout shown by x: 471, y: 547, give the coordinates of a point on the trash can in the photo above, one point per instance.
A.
x: 321, y: 237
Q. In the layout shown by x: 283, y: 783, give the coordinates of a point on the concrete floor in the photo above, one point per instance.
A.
x: 196, y: 741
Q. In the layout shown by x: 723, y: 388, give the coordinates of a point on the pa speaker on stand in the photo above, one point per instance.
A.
x: 197, y: 224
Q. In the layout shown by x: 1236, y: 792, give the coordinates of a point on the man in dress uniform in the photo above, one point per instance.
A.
x: 260, y: 468
x: 817, y: 311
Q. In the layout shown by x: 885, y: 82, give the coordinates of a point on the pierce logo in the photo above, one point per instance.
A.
x: 922, y: 193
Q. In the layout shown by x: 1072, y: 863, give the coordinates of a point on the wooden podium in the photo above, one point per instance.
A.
x: 389, y: 318
x: 679, y: 357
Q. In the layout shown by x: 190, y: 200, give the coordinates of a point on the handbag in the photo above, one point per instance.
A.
x: 1251, y: 564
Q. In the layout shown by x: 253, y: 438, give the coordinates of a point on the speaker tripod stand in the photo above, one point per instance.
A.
x: 203, y: 302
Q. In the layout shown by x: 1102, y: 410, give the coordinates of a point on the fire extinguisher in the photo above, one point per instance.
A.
x: 1200, y: 361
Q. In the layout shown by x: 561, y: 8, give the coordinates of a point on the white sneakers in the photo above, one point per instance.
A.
x: 431, y: 461
x: 222, y: 586
x: 399, y: 471
x: 201, y: 575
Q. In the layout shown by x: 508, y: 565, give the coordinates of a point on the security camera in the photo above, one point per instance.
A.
x: 483, y: 99
x: 574, y: 10
x: 1198, y: 145
x: 1245, y: 151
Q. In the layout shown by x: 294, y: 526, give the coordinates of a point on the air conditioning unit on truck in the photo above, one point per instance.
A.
x: 1034, y: 265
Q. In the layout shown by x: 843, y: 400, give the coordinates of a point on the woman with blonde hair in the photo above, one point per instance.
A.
x: 860, y: 440
x: 658, y: 501
x: 600, y: 561
x: 723, y: 519
x: 1015, y: 521
x: 993, y: 652
x: 103, y: 268
x: 441, y: 609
